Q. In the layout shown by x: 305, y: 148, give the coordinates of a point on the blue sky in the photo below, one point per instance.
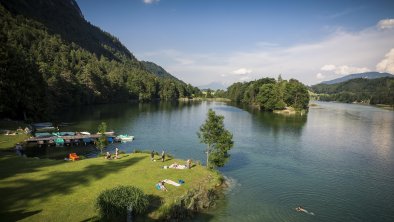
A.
x: 225, y: 41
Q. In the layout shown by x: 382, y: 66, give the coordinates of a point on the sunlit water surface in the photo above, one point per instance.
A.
x: 337, y: 161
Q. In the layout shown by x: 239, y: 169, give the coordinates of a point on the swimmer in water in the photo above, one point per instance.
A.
x: 301, y: 209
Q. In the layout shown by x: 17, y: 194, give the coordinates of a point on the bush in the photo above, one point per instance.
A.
x: 113, y: 203
x: 82, y: 157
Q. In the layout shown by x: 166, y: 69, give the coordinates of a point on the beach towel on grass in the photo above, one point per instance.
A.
x: 176, y: 166
x: 171, y: 182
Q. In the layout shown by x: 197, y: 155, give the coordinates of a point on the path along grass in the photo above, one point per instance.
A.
x: 54, y: 190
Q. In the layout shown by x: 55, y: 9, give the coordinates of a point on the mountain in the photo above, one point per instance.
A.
x: 213, y: 86
x: 157, y: 70
x: 366, y: 75
x: 52, y: 58
x: 64, y: 18
x: 360, y: 90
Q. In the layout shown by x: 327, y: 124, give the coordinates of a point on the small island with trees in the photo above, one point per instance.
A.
x: 271, y: 95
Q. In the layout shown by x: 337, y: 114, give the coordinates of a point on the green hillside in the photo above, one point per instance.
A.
x: 64, y: 18
x: 157, y: 70
x: 52, y: 58
x: 370, y: 91
x: 365, y: 75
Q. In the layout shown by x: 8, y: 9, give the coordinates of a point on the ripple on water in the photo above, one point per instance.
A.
x: 231, y: 184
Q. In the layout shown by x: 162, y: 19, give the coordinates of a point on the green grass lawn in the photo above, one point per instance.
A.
x: 57, y: 190
x: 7, y: 142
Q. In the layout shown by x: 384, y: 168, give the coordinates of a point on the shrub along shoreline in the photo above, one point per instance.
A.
x: 56, y: 190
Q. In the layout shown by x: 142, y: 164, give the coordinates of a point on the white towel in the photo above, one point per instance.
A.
x: 171, y: 182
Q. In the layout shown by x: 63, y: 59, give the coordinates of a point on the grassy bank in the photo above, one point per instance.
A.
x: 205, y: 99
x: 383, y: 106
x: 290, y: 111
x: 7, y: 142
x: 55, y: 190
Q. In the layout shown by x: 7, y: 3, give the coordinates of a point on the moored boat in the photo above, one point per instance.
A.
x: 125, y: 138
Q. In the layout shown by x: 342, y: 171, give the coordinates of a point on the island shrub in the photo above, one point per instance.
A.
x: 113, y: 203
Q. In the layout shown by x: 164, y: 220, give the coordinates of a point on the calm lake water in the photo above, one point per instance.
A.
x: 337, y: 161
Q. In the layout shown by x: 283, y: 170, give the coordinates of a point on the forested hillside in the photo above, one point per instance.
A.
x: 365, y: 75
x: 369, y: 91
x: 51, y: 58
x: 271, y: 94
x: 157, y: 70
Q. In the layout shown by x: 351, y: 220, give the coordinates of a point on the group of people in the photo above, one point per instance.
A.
x: 162, y: 157
x: 152, y: 156
x: 108, y: 155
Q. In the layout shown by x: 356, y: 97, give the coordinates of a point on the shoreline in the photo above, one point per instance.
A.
x: 62, y: 182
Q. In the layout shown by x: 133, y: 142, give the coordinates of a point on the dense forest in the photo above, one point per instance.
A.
x: 270, y: 94
x: 51, y: 58
x: 369, y: 91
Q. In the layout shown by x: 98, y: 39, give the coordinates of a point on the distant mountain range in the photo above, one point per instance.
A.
x: 365, y: 75
x: 213, y: 86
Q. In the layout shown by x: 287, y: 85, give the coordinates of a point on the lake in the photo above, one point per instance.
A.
x: 337, y: 161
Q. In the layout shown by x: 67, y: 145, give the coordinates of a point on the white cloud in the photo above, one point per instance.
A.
x: 328, y: 67
x: 184, y: 61
x: 386, y: 24
x: 320, y: 76
x: 150, y: 1
x: 387, y: 64
x: 242, y: 71
x: 345, y: 70
x: 245, y: 78
x: 340, y: 53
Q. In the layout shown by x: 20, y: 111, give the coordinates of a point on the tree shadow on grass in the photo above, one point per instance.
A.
x: 154, y: 203
x: 55, y: 182
x: 92, y: 219
x: 13, y: 165
x: 17, y: 215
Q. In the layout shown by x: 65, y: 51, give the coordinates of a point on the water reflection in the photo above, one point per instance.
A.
x: 382, y: 136
x: 277, y: 123
x: 331, y: 160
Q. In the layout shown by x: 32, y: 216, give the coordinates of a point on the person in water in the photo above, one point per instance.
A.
x: 301, y: 209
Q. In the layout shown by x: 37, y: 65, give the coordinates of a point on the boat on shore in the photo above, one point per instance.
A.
x: 125, y: 138
x: 43, y: 127
x: 109, y: 133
